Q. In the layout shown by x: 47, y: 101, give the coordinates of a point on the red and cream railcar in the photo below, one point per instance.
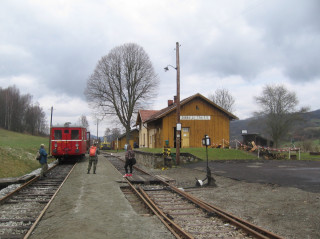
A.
x: 67, y: 142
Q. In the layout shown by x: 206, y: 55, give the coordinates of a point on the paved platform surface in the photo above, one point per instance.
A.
x: 304, y: 175
x: 93, y: 206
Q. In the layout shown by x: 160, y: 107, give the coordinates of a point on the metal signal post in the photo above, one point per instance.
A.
x: 206, y: 141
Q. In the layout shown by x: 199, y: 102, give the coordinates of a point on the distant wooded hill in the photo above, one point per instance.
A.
x: 308, y: 128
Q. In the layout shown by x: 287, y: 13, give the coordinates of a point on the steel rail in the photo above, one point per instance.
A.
x: 5, y: 198
x: 257, y: 228
x: 173, y: 224
x: 27, y: 235
x: 248, y: 227
x: 174, y: 228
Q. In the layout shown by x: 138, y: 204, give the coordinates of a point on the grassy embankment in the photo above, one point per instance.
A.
x: 17, y: 153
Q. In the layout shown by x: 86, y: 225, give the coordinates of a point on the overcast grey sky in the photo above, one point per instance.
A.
x: 49, y: 48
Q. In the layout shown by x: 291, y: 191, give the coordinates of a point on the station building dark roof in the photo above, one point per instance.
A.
x: 161, y: 113
x: 124, y: 135
x: 144, y: 115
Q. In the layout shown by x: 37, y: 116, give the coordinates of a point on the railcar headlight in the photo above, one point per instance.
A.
x: 77, y: 145
x: 55, y: 145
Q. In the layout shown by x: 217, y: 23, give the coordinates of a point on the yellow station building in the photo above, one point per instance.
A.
x: 199, y: 116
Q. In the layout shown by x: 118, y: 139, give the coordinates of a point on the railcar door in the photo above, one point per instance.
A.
x: 66, y: 137
x: 75, y: 141
x: 56, y: 142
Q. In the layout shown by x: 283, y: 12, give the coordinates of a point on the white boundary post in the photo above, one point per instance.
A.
x: 289, y: 153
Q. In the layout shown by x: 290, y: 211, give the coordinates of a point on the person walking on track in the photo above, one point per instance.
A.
x: 43, y: 161
x: 130, y: 161
x: 93, y: 157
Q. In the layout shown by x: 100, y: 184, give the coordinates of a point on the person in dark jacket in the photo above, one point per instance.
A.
x: 129, y: 161
x: 43, y: 161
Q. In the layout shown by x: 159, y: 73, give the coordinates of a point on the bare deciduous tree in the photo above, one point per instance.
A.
x: 115, y: 133
x: 35, y: 119
x: 18, y: 114
x: 278, y: 111
x: 107, y: 132
x: 223, y: 98
x: 122, y: 82
x: 84, y: 122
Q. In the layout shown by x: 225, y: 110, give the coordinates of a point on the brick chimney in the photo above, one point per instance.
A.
x: 175, y: 99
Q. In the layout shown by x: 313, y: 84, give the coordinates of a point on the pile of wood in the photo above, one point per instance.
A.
x: 267, y: 154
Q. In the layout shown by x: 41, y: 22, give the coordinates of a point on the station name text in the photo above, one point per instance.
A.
x: 195, y: 117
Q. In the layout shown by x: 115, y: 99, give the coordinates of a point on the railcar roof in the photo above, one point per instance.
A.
x: 66, y: 127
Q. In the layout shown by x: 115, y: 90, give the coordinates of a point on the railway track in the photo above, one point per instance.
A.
x: 22, y: 209
x: 185, y: 215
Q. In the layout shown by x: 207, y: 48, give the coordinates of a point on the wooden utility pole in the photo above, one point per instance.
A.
x: 50, y: 131
x: 178, y: 130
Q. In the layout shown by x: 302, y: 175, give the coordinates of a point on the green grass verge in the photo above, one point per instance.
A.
x: 303, y: 156
x: 227, y: 154
x: 113, y: 150
x: 213, y: 154
x: 17, y: 152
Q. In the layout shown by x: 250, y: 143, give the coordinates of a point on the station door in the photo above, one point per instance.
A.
x: 185, y: 138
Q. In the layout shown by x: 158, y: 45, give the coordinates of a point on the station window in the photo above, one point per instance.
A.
x: 57, y: 134
x: 74, y: 134
x: 185, y: 129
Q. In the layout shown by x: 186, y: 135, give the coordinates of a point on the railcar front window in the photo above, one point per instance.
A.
x: 74, y: 134
x: 57, y: 134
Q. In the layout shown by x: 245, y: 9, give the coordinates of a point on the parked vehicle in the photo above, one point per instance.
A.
x: 69, y: 142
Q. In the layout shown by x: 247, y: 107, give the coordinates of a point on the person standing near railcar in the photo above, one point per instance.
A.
x: 43, y: 161
x: 93, y: 157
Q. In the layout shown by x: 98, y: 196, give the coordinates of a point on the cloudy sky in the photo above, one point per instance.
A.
x: 49, y: 48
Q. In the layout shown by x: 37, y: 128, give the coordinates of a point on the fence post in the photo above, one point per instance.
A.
x: 289, y: 153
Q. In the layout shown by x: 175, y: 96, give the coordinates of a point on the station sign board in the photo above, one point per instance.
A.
x: 195, y: 117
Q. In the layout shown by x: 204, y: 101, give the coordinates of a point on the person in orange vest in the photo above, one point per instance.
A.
x: 93, y: 157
